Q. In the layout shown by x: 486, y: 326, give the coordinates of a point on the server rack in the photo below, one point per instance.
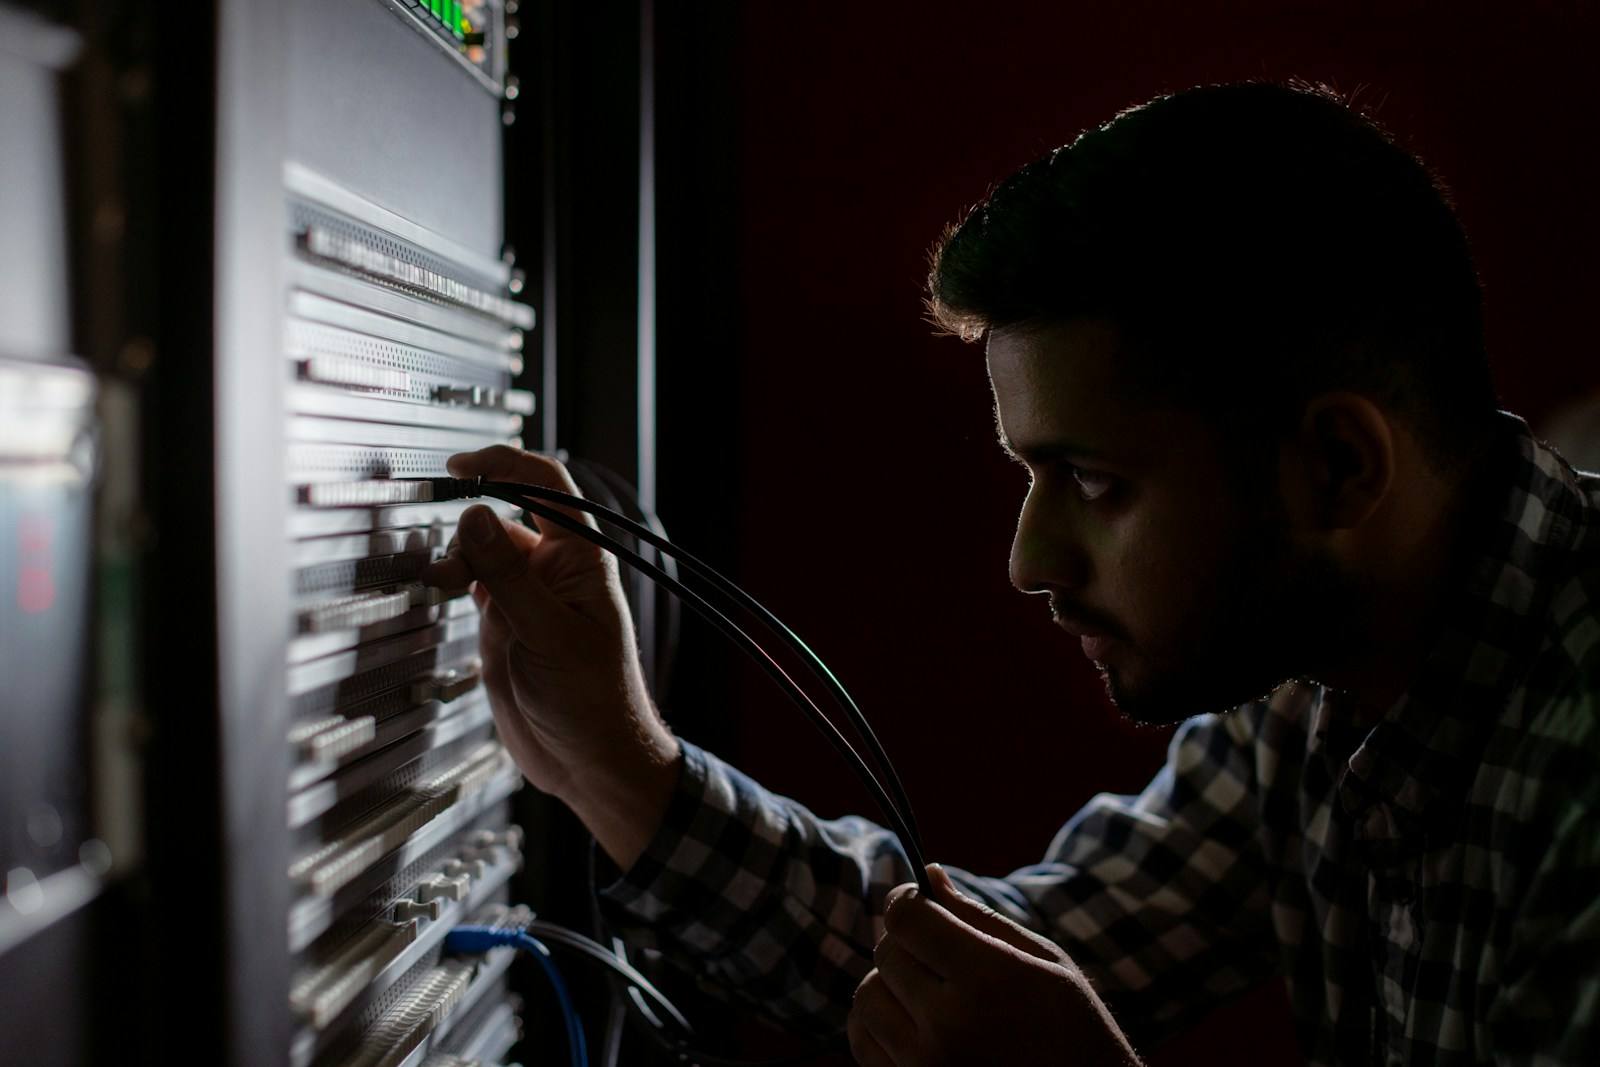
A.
x: 338, y: 314
x: 364, y: 329
x: 283, y: 228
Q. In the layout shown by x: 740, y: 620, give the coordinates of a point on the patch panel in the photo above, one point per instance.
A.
x: 399, y: 349
x: 407, y: 736
x: 332, y: 986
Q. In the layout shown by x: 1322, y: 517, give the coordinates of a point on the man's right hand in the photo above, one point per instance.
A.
x: 560, y: 659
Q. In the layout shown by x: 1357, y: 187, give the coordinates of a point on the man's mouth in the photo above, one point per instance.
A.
x: 1096, y: 647
x: 1095, y: 637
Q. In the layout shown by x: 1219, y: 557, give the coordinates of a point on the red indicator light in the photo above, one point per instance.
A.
x: 36, y: 586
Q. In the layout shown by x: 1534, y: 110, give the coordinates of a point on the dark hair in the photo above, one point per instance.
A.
x: 1256, y: 243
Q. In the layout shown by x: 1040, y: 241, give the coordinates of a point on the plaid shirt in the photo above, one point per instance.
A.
x: 1429, y: 888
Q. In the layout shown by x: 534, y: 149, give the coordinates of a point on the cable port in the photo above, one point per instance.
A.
x: 455, y: 488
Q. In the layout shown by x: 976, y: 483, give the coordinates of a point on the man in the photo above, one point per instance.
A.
x: 1234, y: 335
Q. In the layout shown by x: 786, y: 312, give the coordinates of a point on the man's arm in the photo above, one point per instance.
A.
x: 1158, y: 898
x: 560, y: 659
x: 1546, y: 1012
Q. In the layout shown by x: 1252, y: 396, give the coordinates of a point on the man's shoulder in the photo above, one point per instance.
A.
x: 1544, y: 752
x: 1554, y: 718
x: 1559, y: 689
x: 1277, y: 728
x: 1557, y: 702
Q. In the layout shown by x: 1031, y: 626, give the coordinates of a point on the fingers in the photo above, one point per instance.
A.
x: 879, y: 1024
x: 502, y: 463
x: 938, y: 940
x: 866, y: 1050
x: 502, y: 566
x: 981, y: 917
x: 494, y: 646
x: 912, y: 984
x: 453, y: 572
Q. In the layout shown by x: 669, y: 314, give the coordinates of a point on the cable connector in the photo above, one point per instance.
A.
x: 455, y: 488
x: 474, y: 940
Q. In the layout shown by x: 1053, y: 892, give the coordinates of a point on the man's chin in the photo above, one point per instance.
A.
x: 1172, y: 700
x: 1140, y: 707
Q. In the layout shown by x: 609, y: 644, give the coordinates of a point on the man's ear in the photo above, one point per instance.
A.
x: 1344, y: 458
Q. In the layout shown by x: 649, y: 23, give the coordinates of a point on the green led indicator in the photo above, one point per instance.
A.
x: 456, y: 21
x: 437, y: 7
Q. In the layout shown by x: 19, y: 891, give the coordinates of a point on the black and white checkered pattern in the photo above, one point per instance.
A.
x: 1430, y: 888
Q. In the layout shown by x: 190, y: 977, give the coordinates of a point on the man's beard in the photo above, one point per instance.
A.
x: 1269, y: 608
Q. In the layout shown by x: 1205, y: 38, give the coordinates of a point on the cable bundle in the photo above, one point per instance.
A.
x: 888, y: 791
x: 649, y: 1004
x: 531, y: 939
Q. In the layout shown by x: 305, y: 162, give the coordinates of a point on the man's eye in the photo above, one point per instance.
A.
x: 1092, y: 484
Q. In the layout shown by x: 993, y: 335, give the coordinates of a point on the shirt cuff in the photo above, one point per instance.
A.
x: 641, y: 882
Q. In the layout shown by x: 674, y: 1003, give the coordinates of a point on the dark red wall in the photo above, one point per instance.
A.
x: 873, y: 508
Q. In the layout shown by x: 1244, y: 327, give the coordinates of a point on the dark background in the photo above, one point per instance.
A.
x: 818, y: 440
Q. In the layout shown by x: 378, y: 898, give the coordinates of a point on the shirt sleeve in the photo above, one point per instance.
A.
x: 1546, y: 1012
x: 1159, y: 897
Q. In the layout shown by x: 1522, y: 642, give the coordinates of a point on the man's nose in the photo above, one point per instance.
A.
x: 1046, y: 553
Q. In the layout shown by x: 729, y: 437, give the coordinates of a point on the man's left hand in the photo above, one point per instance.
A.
x: 956, y: 982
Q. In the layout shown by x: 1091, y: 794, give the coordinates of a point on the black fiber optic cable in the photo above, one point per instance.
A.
x: 896, y: 806
x: 697, y: 566
x: 592, y: 950
x: 512, y: 494
x: 560, y: 935
x: 524, y: 496
x: 628, y: 496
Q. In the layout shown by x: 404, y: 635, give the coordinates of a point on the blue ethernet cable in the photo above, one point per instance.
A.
x: 478, y: 939
x: 475, y: 939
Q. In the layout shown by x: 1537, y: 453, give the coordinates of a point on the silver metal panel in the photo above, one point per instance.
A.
x: 493, y: 1038
x: 495, y: 349
x: 252, y: 576
x: 429, y: 938
x: 364, y: 92
x: 33, y: 271
x: 337, y: 121
x: 313, y: 522
x: 320, y: 797
x: 302, y: 181
x: 485, y: 422
x: 311, y: 915
x: 306, y: 677
x: 351, y: 290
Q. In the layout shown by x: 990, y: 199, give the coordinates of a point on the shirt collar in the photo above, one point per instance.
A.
x: 1528, y: 516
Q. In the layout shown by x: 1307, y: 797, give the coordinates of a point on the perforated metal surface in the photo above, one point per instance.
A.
x: 396, y: 783
x: 349, y: 575
x: 375, y: 370
x: 430, y: 369
x: 381, y: 898
x: 354, y: 463
x: 351, y: 691
x: 303, y: 215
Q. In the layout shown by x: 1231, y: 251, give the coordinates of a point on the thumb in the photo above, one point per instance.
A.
x: 980, y: 916
x: 503, y: 567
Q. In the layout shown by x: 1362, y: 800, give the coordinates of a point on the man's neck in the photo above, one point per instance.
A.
x: 1410, y: 572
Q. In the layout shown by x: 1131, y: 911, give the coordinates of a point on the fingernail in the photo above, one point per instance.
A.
x: 478, y: 525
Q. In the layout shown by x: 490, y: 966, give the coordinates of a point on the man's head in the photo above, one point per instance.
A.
x: 1227, y: 331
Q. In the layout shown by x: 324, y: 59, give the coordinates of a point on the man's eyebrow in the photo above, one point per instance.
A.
x: 1044, y: 452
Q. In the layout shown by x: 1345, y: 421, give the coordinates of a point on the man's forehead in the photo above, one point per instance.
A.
x: 1045, y: 375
